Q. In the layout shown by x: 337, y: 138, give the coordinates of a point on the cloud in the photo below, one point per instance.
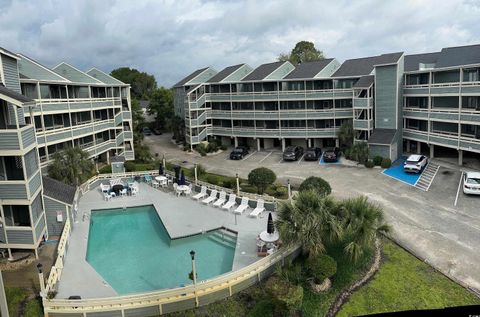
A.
x: 170, y: 39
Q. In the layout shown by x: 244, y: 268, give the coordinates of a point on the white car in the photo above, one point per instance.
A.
x: 415, y: 163
x: 471, y: 183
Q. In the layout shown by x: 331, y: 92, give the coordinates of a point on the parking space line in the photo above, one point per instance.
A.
x: 458, y: 190
x: 301, y: 158
x: 266, y: 156
x: 281, y: 160
x: 246, y: 157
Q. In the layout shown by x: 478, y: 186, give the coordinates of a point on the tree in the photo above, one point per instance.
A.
x: 310, y: 220
x: 303, y: 51
x: 161, y: 105
x: 317, y: 184
x: 345, y: 134
x: 177, y: 126
x: 71, y: 166
x: 142, y: 84
x: 362, y: 221
x: 261, y: 177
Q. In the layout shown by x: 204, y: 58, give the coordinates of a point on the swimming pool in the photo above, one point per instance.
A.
x: 133, y: 252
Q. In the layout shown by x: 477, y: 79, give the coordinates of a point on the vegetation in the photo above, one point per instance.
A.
x: 288, y: 296
x: 142, y: 84
x: 161, y: 105
x: 386, y: 163
x: 345, y: 134
x: 403, y: 283
x: 317, y: 184
x: 303, y: 51
x: 321, y: 267
x: 369, y: 164
x: 358, y: 152
x: 261, y: 178
x: 377, y: 160
x: 18, y: 300
x: 71, y: 166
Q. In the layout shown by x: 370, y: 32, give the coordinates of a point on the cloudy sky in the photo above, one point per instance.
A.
x: 170, y: 39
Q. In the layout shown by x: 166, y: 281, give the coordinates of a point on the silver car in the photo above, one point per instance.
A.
x: 415, y: 163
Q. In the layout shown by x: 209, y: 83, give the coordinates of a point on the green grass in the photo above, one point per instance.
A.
x: 34, y: 308
x: 404, y: 283
x: 15, y: 296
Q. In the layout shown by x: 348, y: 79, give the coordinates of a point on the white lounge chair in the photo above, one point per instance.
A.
x: 105, y: 188
x: 123, y: 192
x: 231, y: 202
x: 201, y: 194
x: 221, y: 199
x: 155, y: 183
x: 211, y: 198
x: 259, y: 209
x: 243, y: 205
x: 189, y: 190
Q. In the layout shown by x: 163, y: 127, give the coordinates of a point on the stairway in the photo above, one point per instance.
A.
x: 427, y: 177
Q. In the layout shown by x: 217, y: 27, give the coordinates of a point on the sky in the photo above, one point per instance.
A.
x: 171, y: 39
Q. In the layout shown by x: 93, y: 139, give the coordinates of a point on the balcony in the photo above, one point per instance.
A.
x: 362, y: 103
x: 275, y: 133
x: 359, y: 124
x: 20, y: 189
x: 63, y: 105
x: 17, y: 139
x: 443, y: 138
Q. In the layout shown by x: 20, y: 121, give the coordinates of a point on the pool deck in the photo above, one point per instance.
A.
x: 181, y: 216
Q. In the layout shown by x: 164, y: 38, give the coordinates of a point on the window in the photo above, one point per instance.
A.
x: 17, y: 215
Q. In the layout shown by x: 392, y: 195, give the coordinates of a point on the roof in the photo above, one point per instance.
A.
x: 263, y: 71
x: 382, y: 136
x: 365, y: 81
x: 365, y: 65
x: 117, y: 159
x: 8, y: 53
x: 224, y: 73
x: 14, y: 95
x: 309, y: 69
x: 57, y: 190
x: 412, y: 61
x: 28, y: 68
x: 74, y: 75
x: 460, y: 55
x: 190, y: 77
x: 103, y: 77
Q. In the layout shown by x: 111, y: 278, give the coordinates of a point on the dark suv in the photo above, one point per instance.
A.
x: 238, y: 153
x: 331, y: 155
x: 312, y: 154
x: 292, y: 153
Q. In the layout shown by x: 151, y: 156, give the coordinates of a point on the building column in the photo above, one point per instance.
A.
x: 309, y: 142
x: 258, y: 144
x: 283, y: 145
x: 235, y: 140
x: 337, y: 142
x: 432, y: 150
x: 108, y: 157
x: 419, y: 147
x: 460, y: 157
x: 408, y: 146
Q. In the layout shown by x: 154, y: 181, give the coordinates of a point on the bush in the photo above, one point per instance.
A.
x: 290, y: 295
x: 229, y: 182
x: 201, y: 149
x: 223, y: 147
x: 212, y: 147
x: 107, y: 169
x: 386, y: 163
x: 377, y: 160
x: 321, y: 267
x: 261, y: 177
x: 318, y: 184
x: 268, y: 308
x: 369, y: 164
x: 248, y: 188
x: 281, y: 192
x: 213, y: 179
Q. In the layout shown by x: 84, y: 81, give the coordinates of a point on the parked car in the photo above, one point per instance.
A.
x: 157, y: 131
x: 415, y: 163
x: 471, y: 183
x: 292, y: 153
x: 331, y: 155
x: 239, y: 153
x: 147, y: 131
x: 312, y: 154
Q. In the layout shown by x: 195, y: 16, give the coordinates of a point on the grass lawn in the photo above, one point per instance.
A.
x: 404, y: 283
x: 15, y: 297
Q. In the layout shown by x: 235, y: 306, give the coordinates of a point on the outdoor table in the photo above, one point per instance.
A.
x: 161, y: 179
x: 182, y: 188
x: 269, y: 237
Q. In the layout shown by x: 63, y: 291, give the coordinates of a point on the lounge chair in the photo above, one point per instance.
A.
x: 123, y: 192
x: 259, y: 209
x: 231, y: 202
x: 107, y: 196
x: 201, y: 194
x: 243, y: 205
x: 134, y: 191
x: 221, y: 199
x: 105, y: 188
x: 211, y: 198
x: 148, y: 178
x: 189, y: 190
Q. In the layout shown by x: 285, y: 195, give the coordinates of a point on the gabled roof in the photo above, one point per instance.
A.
x: 58, y: 190
x: 365, y: 81
x: 74, y: 75
x: 8, y: 53
x: 308, y: 69
x: 103, y: 77
x: 460, y: 55
x: 28, y: 68
x: 118, y: 159
x: 190, y: 77
x: 263, y: 71
x: 14, y: 96
x: 412, y: 62
x: 224, y: 73
x: 365, y: 65
x: 382, y: 136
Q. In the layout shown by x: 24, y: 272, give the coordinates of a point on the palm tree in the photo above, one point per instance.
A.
x: 345, y: 134
x: 71, y: 166
x: 309, y: 221
x: 361, y: 220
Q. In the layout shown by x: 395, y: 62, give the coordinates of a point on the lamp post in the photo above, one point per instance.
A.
x: 196, y: 176
x: 238, y: 185
x: 41, y: 279
x: 194, y: 273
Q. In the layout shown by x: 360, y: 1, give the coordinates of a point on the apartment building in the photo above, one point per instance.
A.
x: 396, y: 102
x: 43, y: 111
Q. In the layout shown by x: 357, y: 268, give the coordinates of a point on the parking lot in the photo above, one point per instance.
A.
x: 427, y: 222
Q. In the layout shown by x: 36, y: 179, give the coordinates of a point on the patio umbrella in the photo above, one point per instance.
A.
x: 160, y: 169
x: 182, y: 178
x: 270, y: 227
x: 177, y: 173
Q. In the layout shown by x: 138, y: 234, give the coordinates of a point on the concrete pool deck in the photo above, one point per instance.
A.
x: 181, y: 216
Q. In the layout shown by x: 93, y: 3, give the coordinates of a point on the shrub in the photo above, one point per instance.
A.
x: 321, y: 267
x: 261, y: 177
x: 200, y: 171
x: 268, y: 308
x: 281, y: 192
x: 223, y: 147
x: 369, y: 164
x: 212, y: 147
x: 248, y: 188
x: 229, y: 182
x: 107, y: 169
x: 213, y: 179
x: 201, y: 149
x: 386, y: 163
x: 290, y: 295
x: 377, y: 160
x: 318, y: 184
x: 358, y: 152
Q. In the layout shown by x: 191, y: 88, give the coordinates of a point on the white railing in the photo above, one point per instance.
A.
x: 57, y: 268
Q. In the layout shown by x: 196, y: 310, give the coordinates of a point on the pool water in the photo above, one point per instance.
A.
x: 396, y: 171
x: 133, y: 252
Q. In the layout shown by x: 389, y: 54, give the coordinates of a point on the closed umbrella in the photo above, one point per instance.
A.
x: 177, y: 173
x: 182, y: 178
x: 270, y: 227
x: 160, y: 169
